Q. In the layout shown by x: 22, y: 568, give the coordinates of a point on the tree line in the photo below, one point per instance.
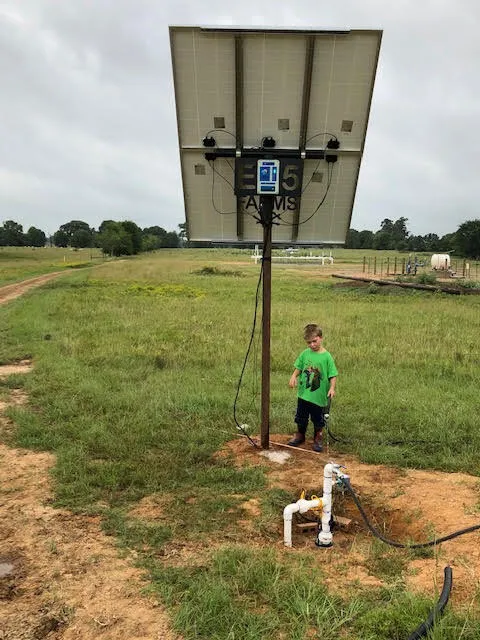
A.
x: 394, y: 235
x: 113, y: 238
x: 127, y: 238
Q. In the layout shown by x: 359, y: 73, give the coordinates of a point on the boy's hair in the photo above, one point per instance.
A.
x: 312, y: 331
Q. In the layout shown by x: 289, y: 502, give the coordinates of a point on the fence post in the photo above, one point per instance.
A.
x: 375, y: 265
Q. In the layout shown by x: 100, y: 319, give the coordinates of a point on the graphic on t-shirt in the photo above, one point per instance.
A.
x: 313, y: 377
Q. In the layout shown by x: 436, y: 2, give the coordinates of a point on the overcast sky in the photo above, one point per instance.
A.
x: 87, y: 113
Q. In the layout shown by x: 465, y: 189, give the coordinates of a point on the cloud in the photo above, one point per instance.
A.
x: 87, y: 117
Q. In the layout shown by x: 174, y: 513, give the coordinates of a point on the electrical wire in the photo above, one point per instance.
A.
x: 391, y: 443
x: 325, y: 133
x: 224, y: 213
x: 252, y: 336
x: 300, y: 222
x: 222, y: 131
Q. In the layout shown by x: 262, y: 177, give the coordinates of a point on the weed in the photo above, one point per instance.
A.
x: 216, y: 271
x: 426, y: 278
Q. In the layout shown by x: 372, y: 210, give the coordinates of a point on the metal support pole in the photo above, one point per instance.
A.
x: 266, y: 212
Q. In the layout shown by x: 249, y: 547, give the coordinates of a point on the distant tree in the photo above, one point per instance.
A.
x: 447, y: 243
x: 72, y: 228
x: 81, y: 238
x: 383, y: 240
x: 366, y: 239
x: 35, y: 238
x: 431, y: 242
x: 171, y: 240
x: 60, y: 239
x: 114, y: 239
x: 468, y: 239
x: 12, y: 234
x: 155, y: 231
x: 352, y: 241
x: 400, y: 231
x: 135, y: 234
x: 415, y: 243
x: 105, y: 224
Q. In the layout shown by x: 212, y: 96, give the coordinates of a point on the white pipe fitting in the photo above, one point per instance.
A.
x: 324, y: 537
x: 301, y: 506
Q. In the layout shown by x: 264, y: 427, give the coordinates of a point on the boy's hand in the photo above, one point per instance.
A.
x: 331, y: 393
x: 292, y: 383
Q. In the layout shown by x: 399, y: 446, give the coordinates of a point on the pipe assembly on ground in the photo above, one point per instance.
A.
x: 324, y: 537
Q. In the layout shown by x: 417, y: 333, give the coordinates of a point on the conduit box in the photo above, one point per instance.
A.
x: 268, y: 177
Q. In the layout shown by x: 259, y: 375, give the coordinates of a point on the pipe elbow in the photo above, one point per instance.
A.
x: 289, y: 510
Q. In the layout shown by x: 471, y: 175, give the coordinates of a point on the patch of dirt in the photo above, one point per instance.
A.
x: 405, y: 505
x: 12, y: 291
x: 60, y: 575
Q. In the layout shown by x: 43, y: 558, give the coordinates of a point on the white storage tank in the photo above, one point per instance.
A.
x: 440, y: 261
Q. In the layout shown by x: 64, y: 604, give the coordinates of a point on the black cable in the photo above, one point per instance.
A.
x: 325, y: 133
x: 424, y: 628
x: 393, y: 543
x: 224, y: 213
x: 222, y: 131
x: 214, y: 171
x: 252, y: 335
x: 391, y: 443
x: 311, y: 177
x: 292, y: 224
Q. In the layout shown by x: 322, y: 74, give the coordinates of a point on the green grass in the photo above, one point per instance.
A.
x: 19, y: 263
x: 136, y: 369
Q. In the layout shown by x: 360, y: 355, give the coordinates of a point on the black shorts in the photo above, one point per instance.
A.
x: 308, y: 410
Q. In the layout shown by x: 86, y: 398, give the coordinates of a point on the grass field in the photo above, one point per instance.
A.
x: 26, y: 262
x: 136, y: 368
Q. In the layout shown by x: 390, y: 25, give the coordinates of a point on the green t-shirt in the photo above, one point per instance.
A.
x: 313, y: 382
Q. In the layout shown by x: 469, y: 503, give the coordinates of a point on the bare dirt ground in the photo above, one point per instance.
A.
x: 12, y: 291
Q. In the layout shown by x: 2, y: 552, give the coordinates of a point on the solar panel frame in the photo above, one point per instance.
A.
x: 300, y: 87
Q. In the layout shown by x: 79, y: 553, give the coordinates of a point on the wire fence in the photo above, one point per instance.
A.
x: 388, y: 267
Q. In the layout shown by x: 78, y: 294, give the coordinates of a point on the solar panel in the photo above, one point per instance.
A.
x: 299, y: 97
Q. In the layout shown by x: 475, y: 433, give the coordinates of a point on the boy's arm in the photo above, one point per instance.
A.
x: 293, y: 380
x: 333, y: 384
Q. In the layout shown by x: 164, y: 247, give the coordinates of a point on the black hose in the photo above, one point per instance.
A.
x: 390, y: 443
x: 422, y: 630
x: 399, y: 545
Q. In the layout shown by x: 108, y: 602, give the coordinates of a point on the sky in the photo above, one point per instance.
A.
x: 87, y: 109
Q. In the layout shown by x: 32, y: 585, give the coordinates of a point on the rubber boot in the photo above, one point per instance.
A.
x: 317, y: 442
x: 297, y: 439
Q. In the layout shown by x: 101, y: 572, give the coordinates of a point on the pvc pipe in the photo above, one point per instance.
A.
x: 324, y: 538
x: 301, y: 506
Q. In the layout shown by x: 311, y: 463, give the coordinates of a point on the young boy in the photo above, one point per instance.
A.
x: 316, y: 375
